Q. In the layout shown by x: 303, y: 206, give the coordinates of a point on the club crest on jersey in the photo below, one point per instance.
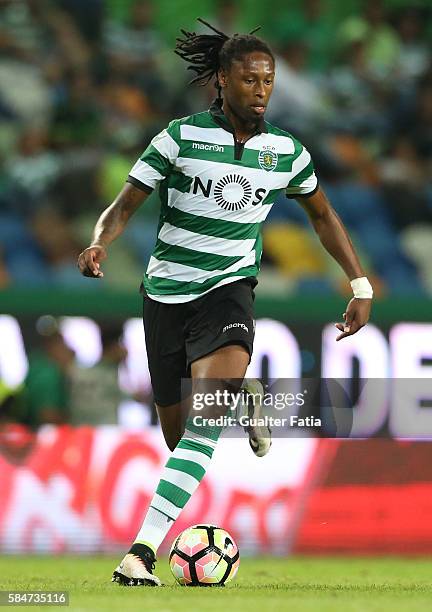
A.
x: 268, y: 159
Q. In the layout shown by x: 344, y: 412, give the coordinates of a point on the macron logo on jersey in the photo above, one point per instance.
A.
x: 208, y: 147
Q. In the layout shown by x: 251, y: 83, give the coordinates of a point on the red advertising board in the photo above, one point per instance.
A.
x: 87, y: 490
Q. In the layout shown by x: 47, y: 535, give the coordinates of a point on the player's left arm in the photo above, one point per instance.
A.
x: 335, y: 239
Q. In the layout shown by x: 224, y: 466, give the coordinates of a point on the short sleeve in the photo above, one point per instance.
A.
x: 304, y: 181
x: 157, y: 161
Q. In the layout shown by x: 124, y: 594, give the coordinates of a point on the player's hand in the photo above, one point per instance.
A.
x: 89, y: 261
x: 356, y: 316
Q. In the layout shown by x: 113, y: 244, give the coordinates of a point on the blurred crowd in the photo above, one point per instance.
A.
x: 59, y: 389
x: 83, y: 91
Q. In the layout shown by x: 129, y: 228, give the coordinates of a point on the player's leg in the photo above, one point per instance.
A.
x: 166, y: 355
x: 188, y: 462
x: 227, y: 315
x: 185, y: 468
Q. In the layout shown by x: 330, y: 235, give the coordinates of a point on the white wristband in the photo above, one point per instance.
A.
x: 362, y: 288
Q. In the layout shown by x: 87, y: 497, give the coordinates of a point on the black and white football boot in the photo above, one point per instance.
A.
x: 252, y: 404
x: 137, y: 567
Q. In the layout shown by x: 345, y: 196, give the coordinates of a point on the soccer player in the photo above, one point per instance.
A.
x: 218, y: 173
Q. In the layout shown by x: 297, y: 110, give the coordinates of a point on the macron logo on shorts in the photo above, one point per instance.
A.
x: 231, y: 325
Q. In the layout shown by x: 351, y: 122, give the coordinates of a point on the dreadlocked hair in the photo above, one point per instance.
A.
x: 208, y: 53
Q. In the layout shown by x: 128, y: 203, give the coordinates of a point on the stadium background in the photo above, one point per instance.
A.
x: 84, y: 85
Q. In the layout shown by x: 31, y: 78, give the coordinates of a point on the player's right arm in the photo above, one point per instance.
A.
x: 109, y: 226
x: 152, y: 167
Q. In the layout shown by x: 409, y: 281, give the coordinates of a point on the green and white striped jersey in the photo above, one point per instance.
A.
x: 215, y: 194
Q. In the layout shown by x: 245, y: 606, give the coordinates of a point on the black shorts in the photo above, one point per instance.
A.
x: 179, y: 334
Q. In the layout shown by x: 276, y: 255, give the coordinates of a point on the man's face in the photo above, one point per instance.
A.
x: 248, y: 84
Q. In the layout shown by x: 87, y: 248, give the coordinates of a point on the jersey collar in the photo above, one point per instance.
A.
x: 219, y: 117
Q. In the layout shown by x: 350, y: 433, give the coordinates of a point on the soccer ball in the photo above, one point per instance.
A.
x: 204, y: 555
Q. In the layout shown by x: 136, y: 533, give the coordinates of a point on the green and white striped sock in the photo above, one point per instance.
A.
x: 180, y: 479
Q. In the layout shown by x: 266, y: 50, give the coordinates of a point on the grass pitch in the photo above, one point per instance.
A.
x: 303, y: 584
